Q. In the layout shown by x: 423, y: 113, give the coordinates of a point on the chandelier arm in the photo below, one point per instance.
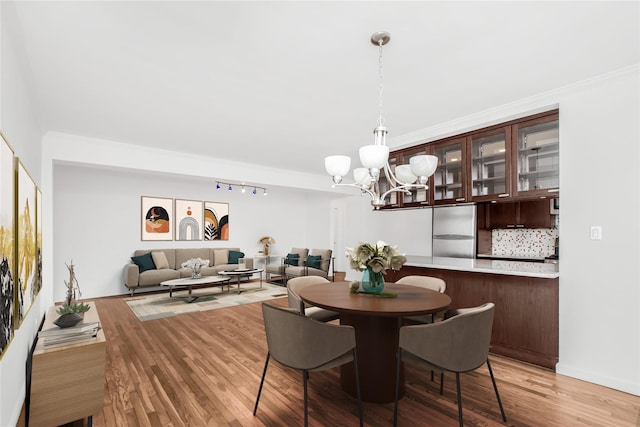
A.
x: 393, y: 181
x: 364, y: 190
x: 404, y: 189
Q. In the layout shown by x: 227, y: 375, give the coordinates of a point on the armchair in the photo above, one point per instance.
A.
x: 279, y: 268
x: 317, y: 263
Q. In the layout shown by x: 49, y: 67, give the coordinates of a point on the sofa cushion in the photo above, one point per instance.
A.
x: 293, y: 259
x: 313, y: 261
x: 234, y: 256
x: 220, y: 256
x: 160, y: 260
x: 144, y: 262
x: 185, y: 254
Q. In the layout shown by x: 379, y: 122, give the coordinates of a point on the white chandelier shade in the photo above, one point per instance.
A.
x: 374, y: 156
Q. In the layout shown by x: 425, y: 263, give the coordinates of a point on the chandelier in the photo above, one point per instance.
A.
x: 375, y: 157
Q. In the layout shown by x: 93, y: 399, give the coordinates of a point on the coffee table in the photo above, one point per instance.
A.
x: 190, y: 283
x: 240, y: 273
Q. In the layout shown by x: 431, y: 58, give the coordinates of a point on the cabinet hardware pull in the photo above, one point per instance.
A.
x: 511, y: 226
x: 520, y: 226
x: 553, y: 190
x: 503, y: 195
x: 461, y: 199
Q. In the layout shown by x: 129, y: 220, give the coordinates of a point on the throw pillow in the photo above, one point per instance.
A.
x: 144, y: 262
x: 293, y: 259
x: 313, y: 261
x: 234, y: 256
x: 160, y: 260
x: 220, y: 256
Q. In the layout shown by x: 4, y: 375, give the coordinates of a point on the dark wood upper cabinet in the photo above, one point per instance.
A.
x: 511, y: 161
x: 490, y: 165
x: 521, y: 214
x: 536, y: 154
x: 450, y: 181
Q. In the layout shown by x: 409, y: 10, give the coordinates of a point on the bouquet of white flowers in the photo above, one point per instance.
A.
x: 379, y: 257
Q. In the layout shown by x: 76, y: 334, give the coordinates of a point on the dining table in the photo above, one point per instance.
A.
x: 377, y: 320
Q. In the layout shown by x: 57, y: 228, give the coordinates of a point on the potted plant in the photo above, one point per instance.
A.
x: 71, y: 312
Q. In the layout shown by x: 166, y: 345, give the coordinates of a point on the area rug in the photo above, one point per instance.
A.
x: 158, y: 306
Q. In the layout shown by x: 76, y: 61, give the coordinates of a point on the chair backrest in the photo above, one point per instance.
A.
x: 299, y: 342
x: 325, y: 258
x: 433, y: 283
x: 459, y: 343
x: 295, y: 285
x: 302, y: 252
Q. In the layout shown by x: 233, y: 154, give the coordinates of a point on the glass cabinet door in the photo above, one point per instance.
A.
x: 449, y: 178
x: 415, y: 197
x: 490, y: 165
x: 538, y: 156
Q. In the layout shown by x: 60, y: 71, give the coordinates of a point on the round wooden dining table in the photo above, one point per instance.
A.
x: 377, y: 322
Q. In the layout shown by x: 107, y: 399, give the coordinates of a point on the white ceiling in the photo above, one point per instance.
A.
x: 287, y: 83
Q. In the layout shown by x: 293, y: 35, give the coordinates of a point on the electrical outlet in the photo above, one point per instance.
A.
x: 596, y: 232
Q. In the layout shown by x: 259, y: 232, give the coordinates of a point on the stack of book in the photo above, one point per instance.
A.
x: 58, y: 337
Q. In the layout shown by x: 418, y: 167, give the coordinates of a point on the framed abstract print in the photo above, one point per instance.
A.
x: 38, y: 283
x: 25, y: 241
x: 7, y: 244
x: 188, y: 220
x: 156, y: 218
x: 216, y: 221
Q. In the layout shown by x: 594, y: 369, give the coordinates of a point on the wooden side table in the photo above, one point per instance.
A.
x: 67, y: 383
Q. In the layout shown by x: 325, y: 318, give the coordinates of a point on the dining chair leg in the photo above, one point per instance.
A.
x: 304, y: 380
x: 355, y: 365
x: 395, y: 404
x: 495, y: 387
x: 264, y: 373
x: 441, y: 383
x: 459, y: 399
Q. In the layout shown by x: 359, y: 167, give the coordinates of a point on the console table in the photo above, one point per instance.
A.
x: 67, y: 383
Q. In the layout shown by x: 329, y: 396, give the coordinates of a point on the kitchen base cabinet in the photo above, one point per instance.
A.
x: 525, y: 324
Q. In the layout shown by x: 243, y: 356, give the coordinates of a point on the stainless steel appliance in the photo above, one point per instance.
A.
x: 454, y: 231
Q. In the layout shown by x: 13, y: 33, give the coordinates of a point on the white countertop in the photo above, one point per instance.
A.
x: 492, y: 266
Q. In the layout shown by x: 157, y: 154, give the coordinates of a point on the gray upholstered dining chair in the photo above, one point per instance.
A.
x: 302, y: 343
x: 458, y: 344
x: 433, y: 283
x: 295, y: 285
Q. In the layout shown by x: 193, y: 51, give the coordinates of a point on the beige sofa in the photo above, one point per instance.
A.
x: 218, y: 261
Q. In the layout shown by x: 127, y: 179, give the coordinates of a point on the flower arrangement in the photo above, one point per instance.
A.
x: 195, y: 264
x: 266, y: 241
x: 379, y: 257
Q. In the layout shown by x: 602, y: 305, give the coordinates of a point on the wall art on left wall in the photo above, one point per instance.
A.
x: 7, y: 248
x: 156, y: 218
x: 26, y: 241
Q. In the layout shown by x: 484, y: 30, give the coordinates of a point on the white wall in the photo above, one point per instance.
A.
x: 96, y: 221
x: 19, y: 125
x: 600, y: 280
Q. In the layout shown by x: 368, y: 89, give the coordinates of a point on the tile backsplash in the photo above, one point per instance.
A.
x: 523, y: 242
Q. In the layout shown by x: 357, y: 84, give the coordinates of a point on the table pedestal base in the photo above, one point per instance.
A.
x: 377, y: 346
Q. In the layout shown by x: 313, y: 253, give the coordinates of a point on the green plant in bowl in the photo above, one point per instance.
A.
x: 74, y: 307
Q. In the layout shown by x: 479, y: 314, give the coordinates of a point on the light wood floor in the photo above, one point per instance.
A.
x: 204, y: 370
